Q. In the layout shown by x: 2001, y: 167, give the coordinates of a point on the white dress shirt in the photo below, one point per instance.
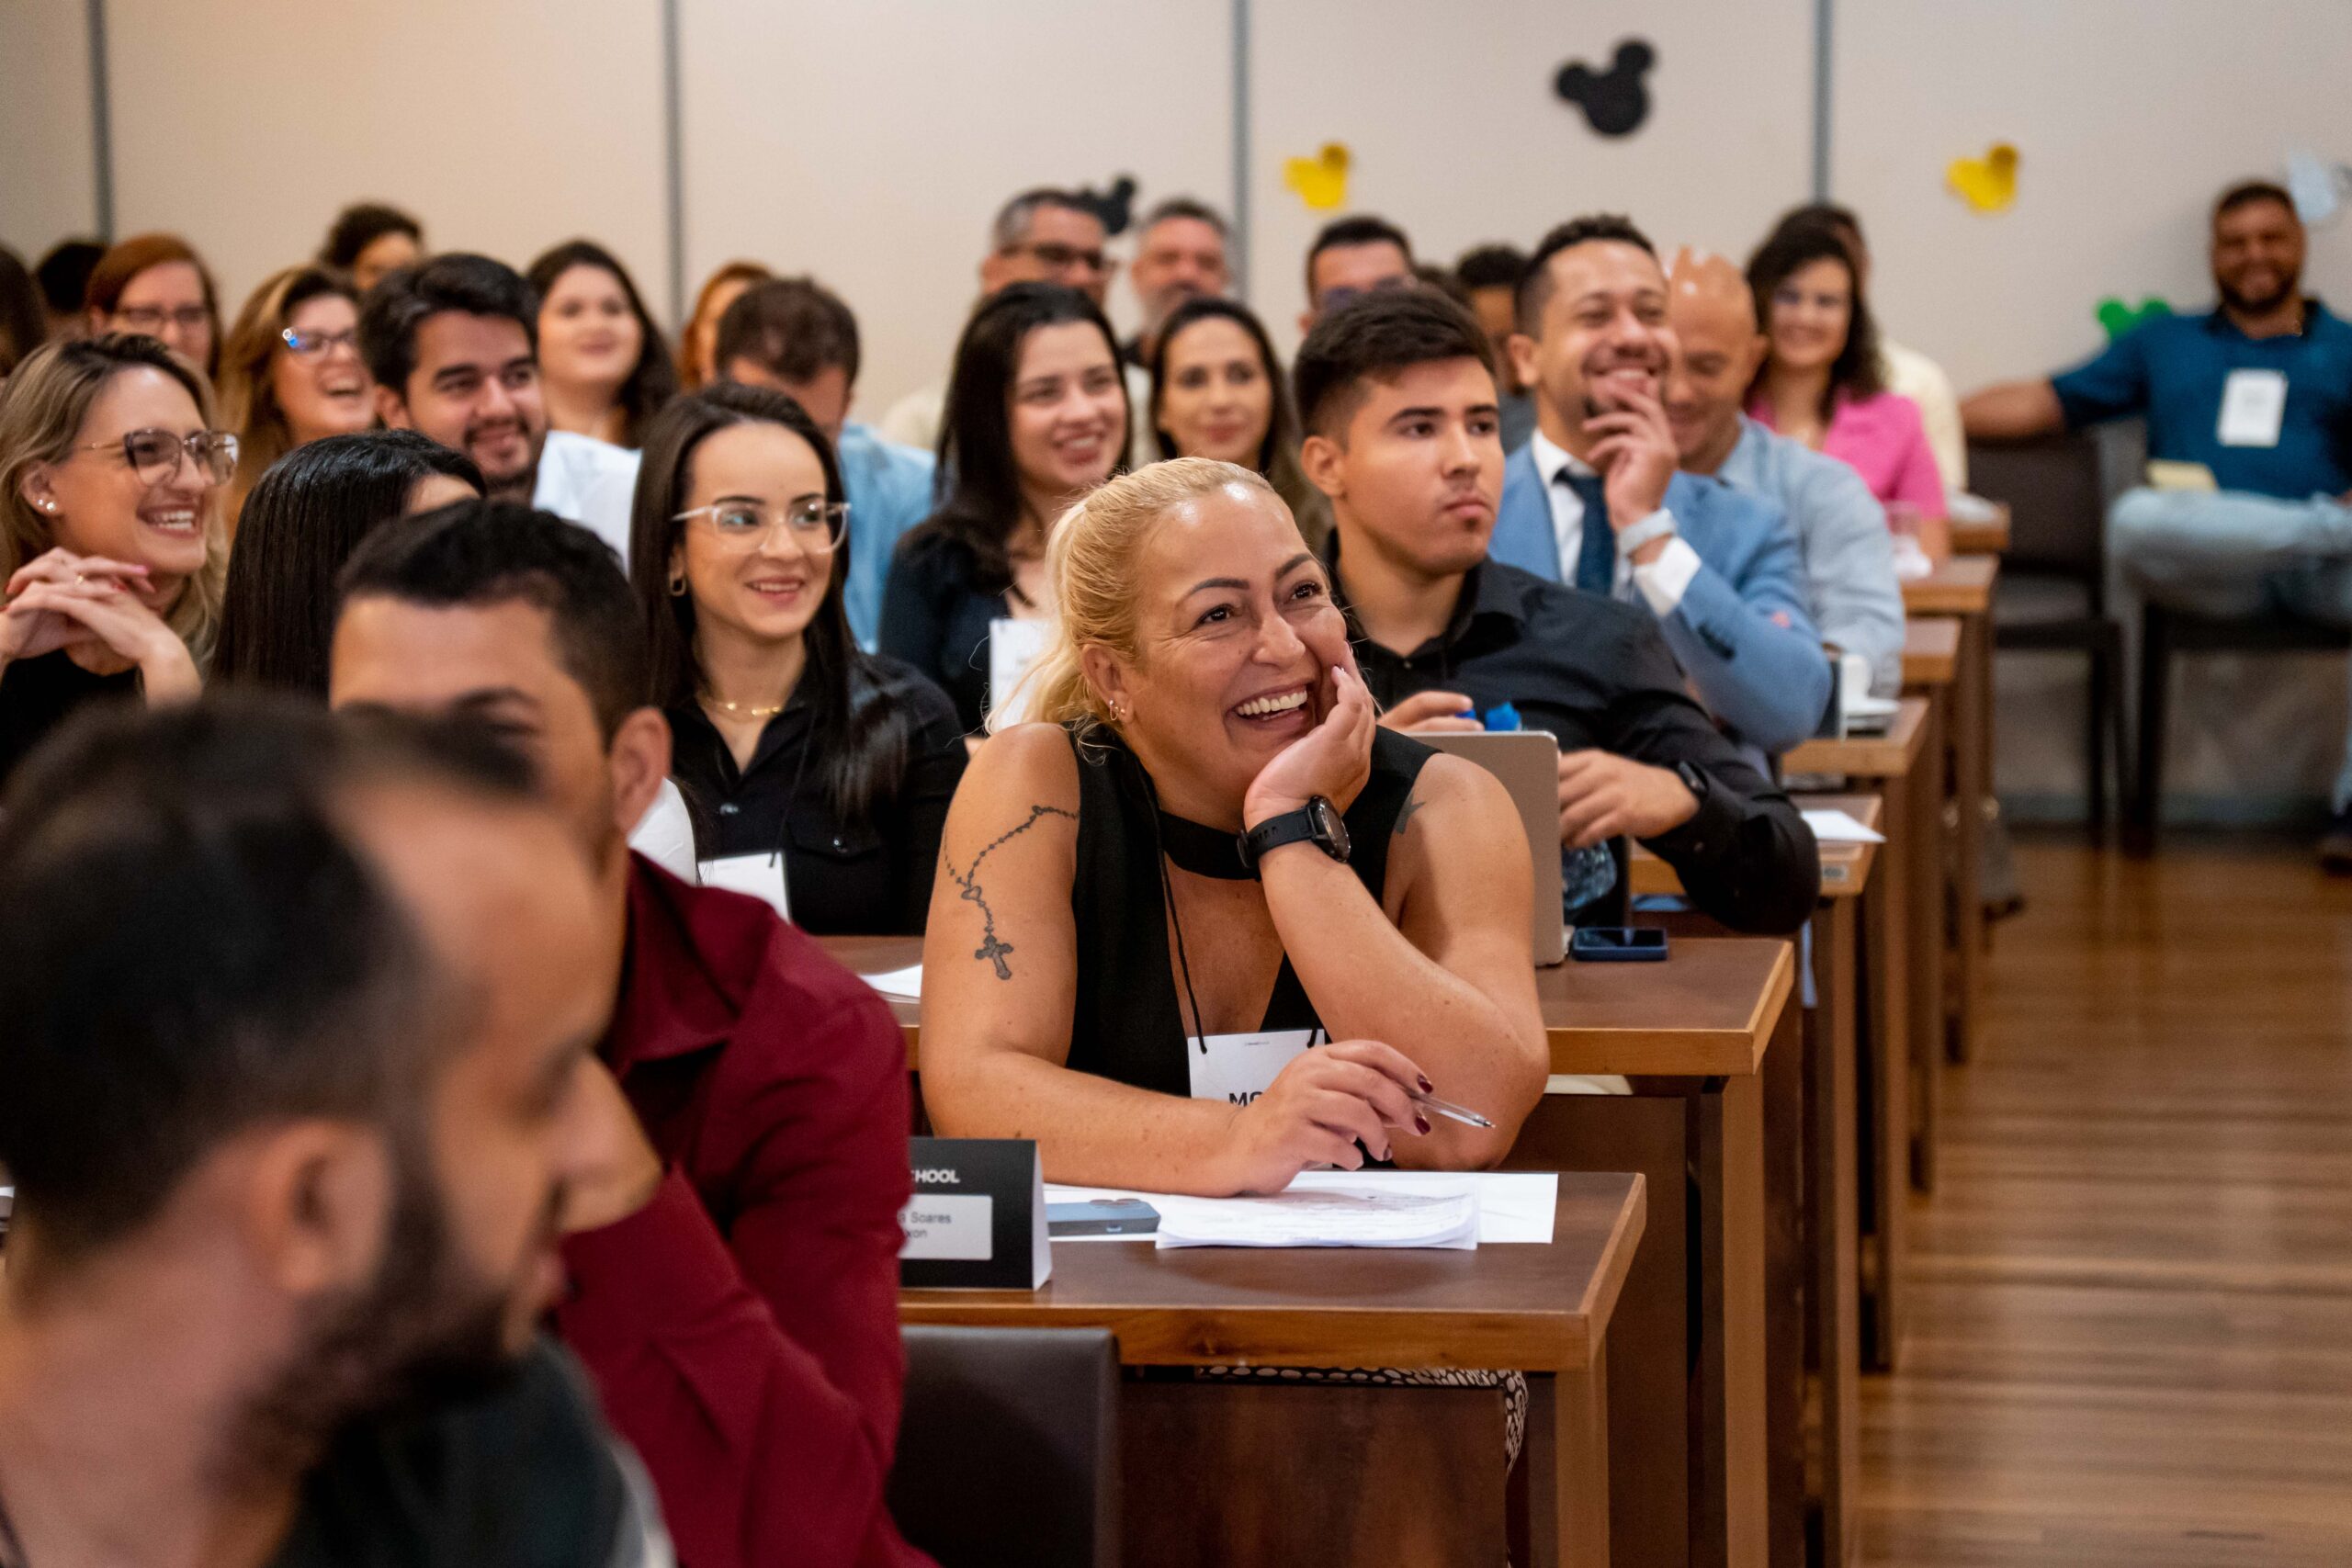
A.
x: 1662, y: 583
x: 588, y: 481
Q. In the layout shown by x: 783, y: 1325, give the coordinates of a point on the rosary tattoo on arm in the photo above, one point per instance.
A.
x: 992, y: 950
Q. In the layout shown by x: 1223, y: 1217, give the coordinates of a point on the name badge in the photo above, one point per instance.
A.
x: 1013, y: 645
x: 1238, y: 1069
x: 761, y: 875
x: 2253, y: 403
x: 977, y: 1217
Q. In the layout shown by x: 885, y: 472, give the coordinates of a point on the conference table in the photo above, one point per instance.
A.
x: 1698, y: 1037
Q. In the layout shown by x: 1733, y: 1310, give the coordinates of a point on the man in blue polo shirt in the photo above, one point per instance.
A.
x: 2258, y: 393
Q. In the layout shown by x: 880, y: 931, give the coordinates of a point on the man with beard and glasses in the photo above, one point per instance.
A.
x: 297, y: 1088
x: 743, y: 1327
x: 454, y: 347
x: 2257, y: 394
x: 1593, y: 499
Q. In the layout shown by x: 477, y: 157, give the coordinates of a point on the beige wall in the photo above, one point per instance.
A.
x: 47, y: 189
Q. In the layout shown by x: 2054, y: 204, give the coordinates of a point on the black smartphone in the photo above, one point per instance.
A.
x: 1618, y: 945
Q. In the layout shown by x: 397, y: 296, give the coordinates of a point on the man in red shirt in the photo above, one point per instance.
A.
x: 742, y: 1324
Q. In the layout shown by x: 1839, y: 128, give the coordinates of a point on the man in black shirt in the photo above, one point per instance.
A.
x: 1397, y: 392
x: 296, y: 1090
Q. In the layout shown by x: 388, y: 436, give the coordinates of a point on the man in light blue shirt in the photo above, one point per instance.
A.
x: 794, y: 336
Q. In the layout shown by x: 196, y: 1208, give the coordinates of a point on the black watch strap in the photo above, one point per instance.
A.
x: 1309, y: 823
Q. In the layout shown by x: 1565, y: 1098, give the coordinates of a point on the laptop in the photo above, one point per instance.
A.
x: 1528, y: 764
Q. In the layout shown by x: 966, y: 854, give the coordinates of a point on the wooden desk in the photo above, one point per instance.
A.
x: 1930, y: 650
x: 1963, y: 587
x: 1542, y: 1310
x: 1901, y: 921
x: 1983, y: 538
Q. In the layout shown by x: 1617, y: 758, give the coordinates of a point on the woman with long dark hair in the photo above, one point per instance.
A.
x: 603, y: 362
x: 1036, y: 418
x: 818, y: 775
x: 1218, y: 391
x: 303, y: 518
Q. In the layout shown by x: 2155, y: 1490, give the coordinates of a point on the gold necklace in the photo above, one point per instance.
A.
x: 741, y: 710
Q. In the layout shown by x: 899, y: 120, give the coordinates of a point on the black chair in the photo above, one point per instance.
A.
x: 1009, y: 1447
x: 2052, y: 595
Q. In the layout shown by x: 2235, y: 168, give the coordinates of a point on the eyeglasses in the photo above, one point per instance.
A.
x: 152, y: 319
x: 1061, y: 258
x: 154, y: 454
x: 311, y: 345
x: 815, y: 524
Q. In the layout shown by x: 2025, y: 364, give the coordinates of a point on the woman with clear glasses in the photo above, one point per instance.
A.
x: 111, y: 550
x: 818, y: 776
x: 156, y: 284
x: 291, y: 373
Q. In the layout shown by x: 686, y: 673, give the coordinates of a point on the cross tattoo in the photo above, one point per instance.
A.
x: 995, y: 952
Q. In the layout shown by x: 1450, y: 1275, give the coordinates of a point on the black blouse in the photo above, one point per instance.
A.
x: 936, y: 617
x: 871, y: 880
x: 37, y: 693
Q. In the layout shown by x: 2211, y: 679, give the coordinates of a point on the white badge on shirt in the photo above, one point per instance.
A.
x: 761, y: 875
x: 1013, y: 645
x: 2253, y: 403
x: 1238, y: 1069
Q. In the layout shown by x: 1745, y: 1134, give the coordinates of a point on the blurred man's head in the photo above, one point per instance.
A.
x: 1351, y: 257
x: 1713, y: 313
x: 1047, y: 235
x: 795, y: 336
x: 454, y: 347
x: 2257, y: 251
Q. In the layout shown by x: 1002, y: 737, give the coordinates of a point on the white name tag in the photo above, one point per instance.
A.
x: 1013, y: 645
x: 761, y: 875
x: 956, y: 1226
x: 1238, y: 1069
x: 2253, y: 403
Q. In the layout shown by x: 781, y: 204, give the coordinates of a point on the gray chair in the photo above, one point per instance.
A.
x: 1009, y: 1447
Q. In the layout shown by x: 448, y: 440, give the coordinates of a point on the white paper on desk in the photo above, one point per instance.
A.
x: 904, y: 984
x: 1840, y: 828
x: 1514, y: 1206
x: 1357, y: 1214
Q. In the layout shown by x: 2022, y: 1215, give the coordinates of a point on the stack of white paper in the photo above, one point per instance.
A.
x: 905, y: 985
x: 1841, y: 828
x: 1363, y: 1215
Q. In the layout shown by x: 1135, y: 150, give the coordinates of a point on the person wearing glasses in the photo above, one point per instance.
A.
x: 290, y: 374
x: 156, y: 284
x: 817, y: 775
x: 1046, y: 235
x: 111, y: 549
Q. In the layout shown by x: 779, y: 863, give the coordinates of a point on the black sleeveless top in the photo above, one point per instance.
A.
x: 1127, y: 1023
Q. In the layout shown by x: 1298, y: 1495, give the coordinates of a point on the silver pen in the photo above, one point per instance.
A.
x: 1461, y: 1113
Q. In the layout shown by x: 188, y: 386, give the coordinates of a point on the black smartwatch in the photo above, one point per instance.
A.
x: 1694, y: 781
x: 1317, y: 822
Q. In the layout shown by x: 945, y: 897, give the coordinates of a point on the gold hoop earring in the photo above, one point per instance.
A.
x: 678, y: 586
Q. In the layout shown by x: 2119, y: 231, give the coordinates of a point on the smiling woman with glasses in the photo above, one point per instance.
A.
x: 291, y: 374
x: 818, y: 776
x: 156, y: 284
x: 111, y: 550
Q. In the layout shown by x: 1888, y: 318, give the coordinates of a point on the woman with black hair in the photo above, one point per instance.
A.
x: 818, y: 775
x: 302, y: 520
x: 1036, y: 418
x: 369, y: 239
x: 603, y: 362
x: 1217, y: 391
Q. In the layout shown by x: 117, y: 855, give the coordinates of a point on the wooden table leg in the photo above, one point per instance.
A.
x: 1885, y: 1065
x: 1971, y: 745
x: 1785, y: 1278
x: 1565, y: 1462
x: 1831, y: 1220
x: 1731, y: 1491
x: 1926, y: 936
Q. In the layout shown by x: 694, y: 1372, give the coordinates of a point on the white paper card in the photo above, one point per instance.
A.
x: 905, y: 984
x: 952, y: 1226
x: 1351, y: 1214
x: 1514, y: 1206
x: 1013, y: 645
x: 2253, y: 403
x: 1238, y: 1069
x: 1840, y: 828
x: 761, y: 875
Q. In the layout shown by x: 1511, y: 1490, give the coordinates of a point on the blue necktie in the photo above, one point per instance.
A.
x: 1597, y: 551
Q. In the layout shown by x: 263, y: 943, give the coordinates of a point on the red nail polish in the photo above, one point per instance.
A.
x: 1427, y: 1087
x: 1423, y: 1124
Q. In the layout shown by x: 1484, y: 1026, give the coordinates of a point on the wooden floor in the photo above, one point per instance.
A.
x: 2130, y: 1339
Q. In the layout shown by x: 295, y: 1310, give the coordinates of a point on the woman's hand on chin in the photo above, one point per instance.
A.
x: 1319, y: 1108
x: 1332, y: 760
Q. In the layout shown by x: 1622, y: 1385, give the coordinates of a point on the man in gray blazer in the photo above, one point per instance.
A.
x: 1594, y: 498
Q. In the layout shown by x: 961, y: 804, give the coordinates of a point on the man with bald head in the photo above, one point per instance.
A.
x: 1849, y: 581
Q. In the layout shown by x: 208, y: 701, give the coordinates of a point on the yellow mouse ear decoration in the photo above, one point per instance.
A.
x: 1988, y: 183
x: 1321, y: 181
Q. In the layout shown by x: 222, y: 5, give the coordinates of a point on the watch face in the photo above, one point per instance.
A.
x: 1330, y: 828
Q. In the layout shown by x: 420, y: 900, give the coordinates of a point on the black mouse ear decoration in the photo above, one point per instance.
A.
x: 1614, y: 102
x: 1116, y: 206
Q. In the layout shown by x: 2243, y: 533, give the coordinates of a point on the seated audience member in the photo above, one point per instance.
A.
x: 1216, y: 390
x: 368, y: 240
x: 1593, y: 499
x: 454, y: 348
x: 111, y: 548
x: 743, y: 1327
x: 64, y: 272
x: 1046, y: 235
x: 795, y: 336
x: 1352, y: 256
x: 155, y: 284
x: 1036, y: 417
x: 1820, y: 383
x: 604, y: 368
x: 698, y: 345
x: 828, y: 768
x: 1400, y: 397
x: 2257, y: 392
x: 1905, y: 372
x: 1207, y: 767
x: 1850, y: 582
x: 296, y: 1092
x: 1180, y: 257
x: 1491, y: 274
x: 23, y: 327
x: 302, y: 521
x: 291, y: 374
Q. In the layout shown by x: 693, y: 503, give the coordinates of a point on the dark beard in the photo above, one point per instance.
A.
x: 2243, y: 306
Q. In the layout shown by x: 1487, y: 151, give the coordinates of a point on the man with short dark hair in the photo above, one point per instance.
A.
x: 795, y: 336
x: 296, y: 1092
x: 741, y: 1327
x: 1352, y: 256
x: 1490, y: 275
x: 2249, y: 413
x: 1397, y: 391
x: 454, y: 346
x: 1595, y: 499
